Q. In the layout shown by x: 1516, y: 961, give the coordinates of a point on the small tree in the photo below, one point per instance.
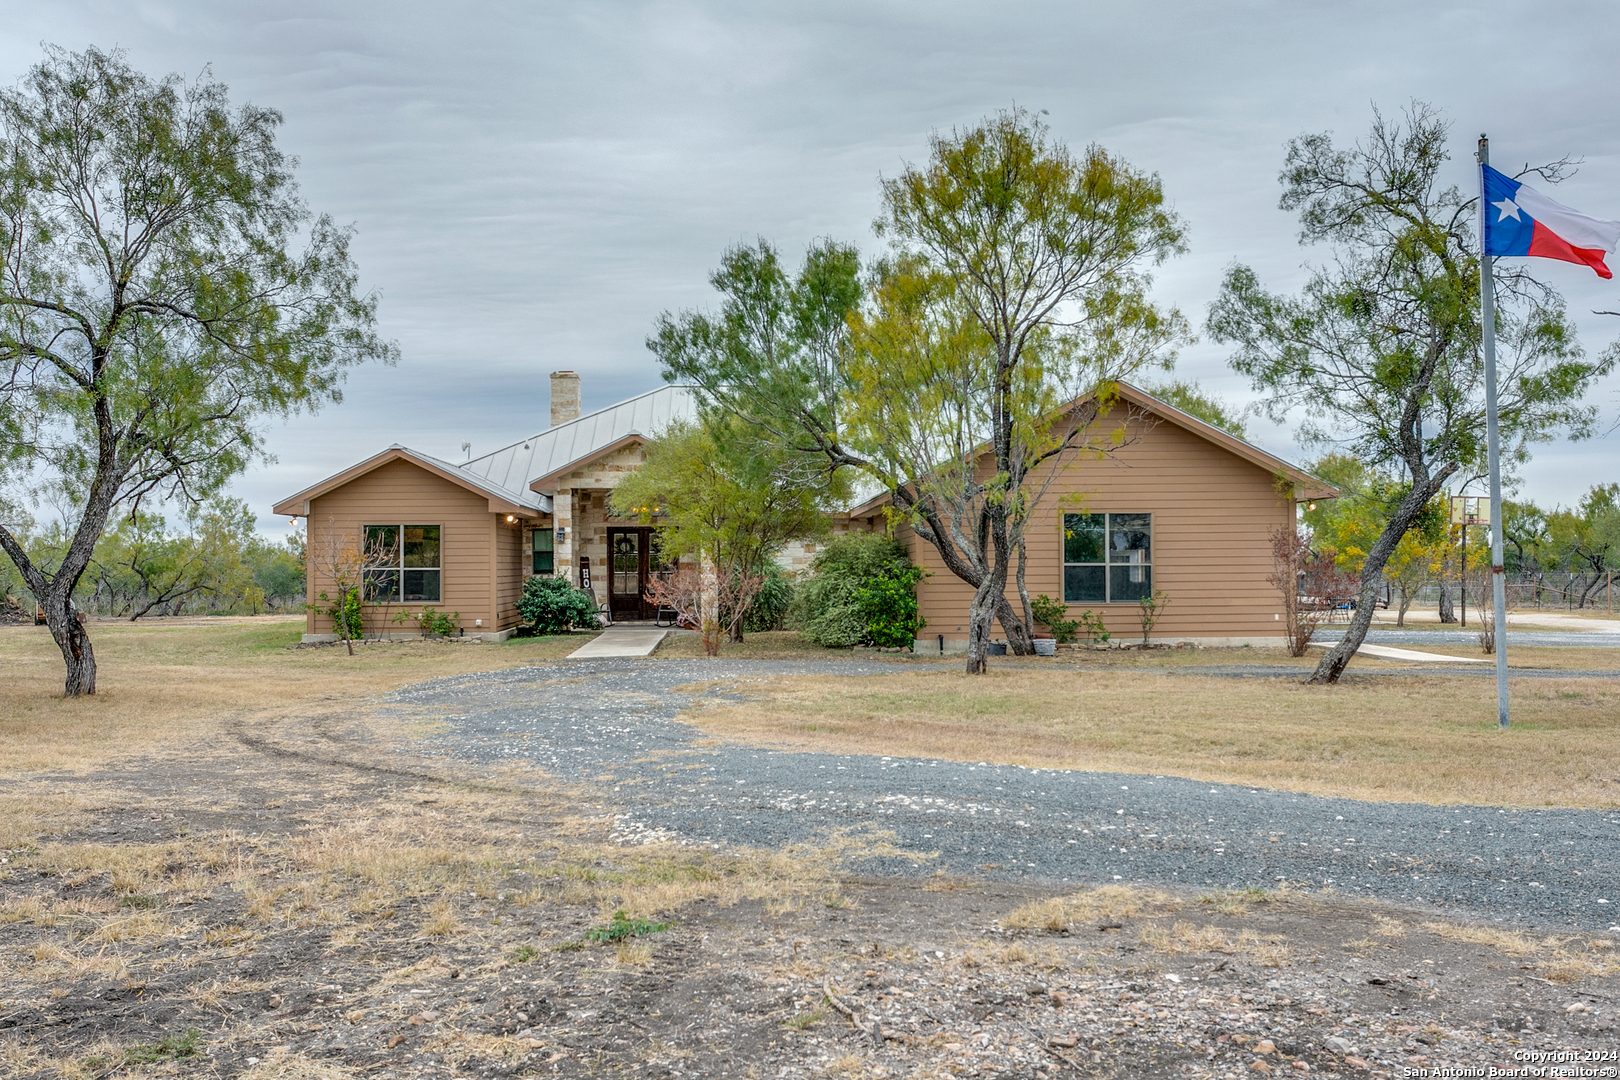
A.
x: 1018, y: 283
x: 711, y: 603
x: 1305, y: 585
x: 348, y: 562
x: 1152, y: 610
x: 730, y: 501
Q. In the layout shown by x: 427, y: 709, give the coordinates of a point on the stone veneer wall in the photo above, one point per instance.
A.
x: 797, y: 556
x: 580, y: 506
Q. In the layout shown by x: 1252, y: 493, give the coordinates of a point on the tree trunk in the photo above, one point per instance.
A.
x: 1372, y: 572
x: 1406, y: 602
x: 1025, y: 633
x: 70, y: 637
x: 981, y: 616
x: 1020, y: 641
x: 1447, y: 613
x: 55, y: 597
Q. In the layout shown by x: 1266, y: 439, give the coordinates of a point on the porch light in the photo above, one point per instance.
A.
x: 1312, y: 506
x: 510, y: 518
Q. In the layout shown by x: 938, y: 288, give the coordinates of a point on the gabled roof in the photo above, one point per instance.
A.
x: 536, y: 462
x: 1306, y: 485
x: 502, y: 499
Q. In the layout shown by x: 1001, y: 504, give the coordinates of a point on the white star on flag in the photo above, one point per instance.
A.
x: 1509, y: 209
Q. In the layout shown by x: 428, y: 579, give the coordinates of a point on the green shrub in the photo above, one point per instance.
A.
x: 434, y: 622
x: 889, y: 606
x: 551, y: 605
x: 770, y: 607
x: 1094, y: 627
x: 1051, y: 614
x: 623, y: 927
x: 348, y: 611
x: 862, y: 588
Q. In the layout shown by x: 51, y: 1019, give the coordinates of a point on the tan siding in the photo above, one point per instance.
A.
x: 1213, y: 513
x: 508, y: 571
x: 400, y: 493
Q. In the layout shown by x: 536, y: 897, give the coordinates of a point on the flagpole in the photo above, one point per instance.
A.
x: 1487, y: 309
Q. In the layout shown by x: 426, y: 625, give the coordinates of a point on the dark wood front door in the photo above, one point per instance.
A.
x: 629, y: 565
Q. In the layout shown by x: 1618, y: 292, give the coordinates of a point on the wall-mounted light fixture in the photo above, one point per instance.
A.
x: 510, y: 518
x: 562, y: 533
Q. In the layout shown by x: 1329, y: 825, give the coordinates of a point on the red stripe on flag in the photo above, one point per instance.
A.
x: 1546, y: 244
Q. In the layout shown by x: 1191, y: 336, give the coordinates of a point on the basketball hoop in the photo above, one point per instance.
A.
x: 1470, y: 510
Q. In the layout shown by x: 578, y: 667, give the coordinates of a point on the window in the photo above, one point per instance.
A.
x: 1107, y: 558
x: 545, y: 547
x: 412, y: 572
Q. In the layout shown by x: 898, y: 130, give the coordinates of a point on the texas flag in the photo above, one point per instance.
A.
x: 1520, y: 220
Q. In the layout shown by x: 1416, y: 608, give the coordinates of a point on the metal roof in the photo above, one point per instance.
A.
x: 518, y: 494
x: 519, y: 499
x: 515, y: 467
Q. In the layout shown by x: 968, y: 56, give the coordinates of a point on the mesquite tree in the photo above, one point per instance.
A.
x: 163, y: 290
x: 1381, y: 349
x: 1017, y: 284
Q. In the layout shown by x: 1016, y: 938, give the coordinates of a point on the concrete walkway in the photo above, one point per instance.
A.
x: 1385, y: 652
x: 625, y: 639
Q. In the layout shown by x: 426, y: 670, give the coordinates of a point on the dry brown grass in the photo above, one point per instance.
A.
x: 1421, y: 738
x: 1102, y: 904
x: 1507, y: 941
x: 1186, y: 937
x: 1556, y: 959
x: 168, y: 682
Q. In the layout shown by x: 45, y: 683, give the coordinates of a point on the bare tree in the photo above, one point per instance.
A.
x: 1308, y: 583
x: 350, y: 563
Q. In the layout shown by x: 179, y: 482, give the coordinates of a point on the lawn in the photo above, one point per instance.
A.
x: 1419, y: 737
x: 168, y: 682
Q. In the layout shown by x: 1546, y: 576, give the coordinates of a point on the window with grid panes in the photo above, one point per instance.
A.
x: 1107, y: 558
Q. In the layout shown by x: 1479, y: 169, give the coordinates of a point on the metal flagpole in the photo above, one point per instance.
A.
x: 1487, y: 308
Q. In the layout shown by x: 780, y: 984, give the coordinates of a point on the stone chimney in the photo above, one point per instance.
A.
x: 564, y: 397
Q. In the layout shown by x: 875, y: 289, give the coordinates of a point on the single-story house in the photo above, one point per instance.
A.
x: 1181, y: 506
x: 468, y: 533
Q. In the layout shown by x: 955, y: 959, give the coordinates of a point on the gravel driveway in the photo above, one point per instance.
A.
x: 611, y: 724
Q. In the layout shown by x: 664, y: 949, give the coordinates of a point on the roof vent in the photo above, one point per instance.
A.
x: 564, y: 397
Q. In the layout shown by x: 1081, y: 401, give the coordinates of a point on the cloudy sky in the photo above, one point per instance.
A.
x: 534, y: 182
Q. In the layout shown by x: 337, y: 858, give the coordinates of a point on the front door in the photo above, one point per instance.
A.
x: 629, y: 562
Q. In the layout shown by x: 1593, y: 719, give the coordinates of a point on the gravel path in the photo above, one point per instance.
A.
x: 612, y: 724
x: 1469, y: 639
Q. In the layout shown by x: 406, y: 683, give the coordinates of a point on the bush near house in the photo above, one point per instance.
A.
x: 551, y: 605
x: 861, y: 591
x: 773, y: 604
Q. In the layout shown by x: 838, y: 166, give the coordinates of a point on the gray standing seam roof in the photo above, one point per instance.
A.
x: 520, y: 495
x: 514, y: 467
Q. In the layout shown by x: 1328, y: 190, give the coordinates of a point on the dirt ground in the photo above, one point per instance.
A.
x: 297, y: 894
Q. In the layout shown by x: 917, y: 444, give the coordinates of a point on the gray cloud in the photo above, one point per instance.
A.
x: 534, y: 183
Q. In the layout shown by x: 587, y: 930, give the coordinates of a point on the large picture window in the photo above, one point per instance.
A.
x: 545, y: 551
x: 413, y: 570
x: 1107, y: 558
